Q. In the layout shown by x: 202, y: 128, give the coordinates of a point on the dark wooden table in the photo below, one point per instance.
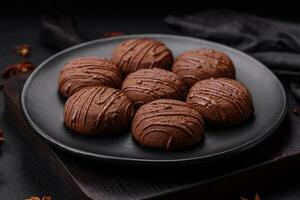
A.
x: 22, y: 172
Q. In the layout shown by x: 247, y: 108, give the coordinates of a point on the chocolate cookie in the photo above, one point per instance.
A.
x: 167, y: 124
x: 195, y: 65
x: 146, y: 85
x: 221, y: 101
x: 86, y: 72
x: 98, y: 111
x: 141, y: 53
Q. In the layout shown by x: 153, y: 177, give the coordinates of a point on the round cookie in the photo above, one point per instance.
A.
x: 221, y: 101
x: 199, y: 64
x: 98, y: 111
x: 86, y: 72
x: 167, y: 124
x: 146, y: 85
x: 141, y: 53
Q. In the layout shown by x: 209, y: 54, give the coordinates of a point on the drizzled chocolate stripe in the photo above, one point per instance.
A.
x: 227, y: 92
x: 159, y: 114
x: 152, y: 84
x: 141, y: 137
x: 160, y: 56
x: 146, y: 91
x: 139, y: 55
x: 69, y: 107
x: 163, y: 74
x: 228, y: 98
x: 246, y: 97
x: 110, y: 100
x: 128, y: 45
x: 87, y: 64
x: 164, y: 86
x: 186, y: 129
x: 98, y: 110
x: 91, y: 68
x: 213, y: 56
x: 200, y: 64
x: 183, y: 64
x: 128, y: 60
x: 211, y: 105
x: 79, y: 114
x: 102, y: 79
x: 135, y: 54
x: 89, y: 103
x: 221, y: 95
x: 95, y: 71
x: 168, y: 104
x: 182, y: 125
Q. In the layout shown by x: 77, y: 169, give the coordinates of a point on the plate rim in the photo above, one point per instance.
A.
x: 126, y: 160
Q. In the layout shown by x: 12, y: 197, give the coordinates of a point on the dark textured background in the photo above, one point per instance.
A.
x: 23, y: 174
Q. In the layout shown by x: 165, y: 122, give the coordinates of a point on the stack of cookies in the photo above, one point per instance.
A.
x: 165, y: 102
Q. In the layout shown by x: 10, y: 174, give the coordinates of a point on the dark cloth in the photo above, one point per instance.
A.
x: 274, y: 43
x: 59, y: 31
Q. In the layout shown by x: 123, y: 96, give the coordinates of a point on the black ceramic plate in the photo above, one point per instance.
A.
x: 43, y: 108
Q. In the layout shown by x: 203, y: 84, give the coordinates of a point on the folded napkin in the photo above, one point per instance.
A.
x: 274, y: 43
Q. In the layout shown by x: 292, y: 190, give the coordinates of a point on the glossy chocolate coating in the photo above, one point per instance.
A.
x: 141, y: 53
x: 86, y: 72
x: 221, y: 101
x: 199, y: 64
x: 146, y: 85
x: 167, y: 124
x: 98, y: 111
